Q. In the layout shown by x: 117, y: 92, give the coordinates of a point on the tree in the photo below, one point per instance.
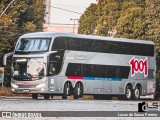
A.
x: 88, y: 20
x: 131, y: 21
x: 109, y: 12
x: 20, y: 18
x: 152, y: 26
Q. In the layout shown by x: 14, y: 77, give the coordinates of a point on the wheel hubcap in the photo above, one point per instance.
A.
x: 78, y: 91
x: 128, y: 93
x: 67, y: 90
x: 136, y: 93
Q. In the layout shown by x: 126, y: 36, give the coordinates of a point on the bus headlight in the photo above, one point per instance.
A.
x: 40, y: 85
x: 14, y: 85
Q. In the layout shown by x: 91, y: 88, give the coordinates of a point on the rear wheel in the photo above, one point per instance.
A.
x: 78, y: 91
x: 136, y: 93
x: 46, y: 96
x: 128, y: 92
x: 34, y: 96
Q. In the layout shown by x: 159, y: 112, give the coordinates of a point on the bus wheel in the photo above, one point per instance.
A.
x: 136, y: 93
x: 128, y: 92
x: 65, y: 91
x: 78, y: 91
x: 34, y: 96
x: 46, y: 96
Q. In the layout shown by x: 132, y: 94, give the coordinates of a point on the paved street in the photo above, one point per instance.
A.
x: 28, y: 104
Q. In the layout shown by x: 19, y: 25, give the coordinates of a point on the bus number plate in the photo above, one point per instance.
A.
x: 25, y: 90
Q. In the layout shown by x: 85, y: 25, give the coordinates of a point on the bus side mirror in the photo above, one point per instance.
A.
x: 5, y: 58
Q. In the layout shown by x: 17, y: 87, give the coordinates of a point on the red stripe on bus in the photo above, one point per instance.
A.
x: 75, y: 77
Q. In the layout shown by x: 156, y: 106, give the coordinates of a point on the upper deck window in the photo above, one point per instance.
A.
x: 102, y: 46
x: 33, y: 44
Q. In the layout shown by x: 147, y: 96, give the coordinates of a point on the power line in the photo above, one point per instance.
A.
x: 58, y: 24
x: 65, y: 9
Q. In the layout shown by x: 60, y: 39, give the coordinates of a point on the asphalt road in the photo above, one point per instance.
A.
x: 28, y: 104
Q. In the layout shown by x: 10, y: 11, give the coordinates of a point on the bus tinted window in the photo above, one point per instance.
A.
x: 99, y: 46
x: 92, y: 70
x: 87, y: 45
x: 55, y: 62
x: 87, y: 70
x: 74, y: 70
x: 99, y: 70
x: 59, y: 43
x: 80, y: 44
x: 150, y: 49
x: 73, y: 44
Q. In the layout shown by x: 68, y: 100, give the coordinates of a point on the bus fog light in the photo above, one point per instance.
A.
x: 40, y: 85
x: 13, y: 90
x: 14, y: 85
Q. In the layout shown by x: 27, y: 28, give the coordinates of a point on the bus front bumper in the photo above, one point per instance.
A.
x: 39, y: 86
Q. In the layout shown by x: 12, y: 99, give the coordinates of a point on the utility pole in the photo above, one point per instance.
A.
x: 6, y: 8
x: 74, y: 23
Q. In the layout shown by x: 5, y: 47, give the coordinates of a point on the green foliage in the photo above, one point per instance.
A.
x: 130, y: 23
x: 88, y: 20
x: 23, y: 16
x: 134, y: 19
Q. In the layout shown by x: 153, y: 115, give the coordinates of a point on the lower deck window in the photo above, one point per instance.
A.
x: 92, y: 70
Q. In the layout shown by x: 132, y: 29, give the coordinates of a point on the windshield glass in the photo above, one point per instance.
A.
x: 28, y: 69
x: 33, y: 44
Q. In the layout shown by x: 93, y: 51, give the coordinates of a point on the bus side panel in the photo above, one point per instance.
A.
x: 93, y: 87
x: 107, y: 87
x: 118, y: 87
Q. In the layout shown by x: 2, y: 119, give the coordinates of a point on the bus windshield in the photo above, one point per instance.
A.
x: 31, y: 68
x: 33, y: 44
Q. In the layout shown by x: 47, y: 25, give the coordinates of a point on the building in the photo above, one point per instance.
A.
x: 57, y: 27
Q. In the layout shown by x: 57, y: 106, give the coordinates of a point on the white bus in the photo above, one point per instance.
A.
x: 72, y: 64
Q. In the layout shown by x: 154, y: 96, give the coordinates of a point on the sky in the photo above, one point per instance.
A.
x: 63, y: 17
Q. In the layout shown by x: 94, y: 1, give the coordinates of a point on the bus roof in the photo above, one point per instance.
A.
x: 61, y: 34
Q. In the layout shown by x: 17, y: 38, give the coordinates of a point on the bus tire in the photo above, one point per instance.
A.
x: 78, y: 91
x: 65, y: 91
x: 34, y: 96
x: 46, y: 96
x: 128, y: 92
x: 136, y: 93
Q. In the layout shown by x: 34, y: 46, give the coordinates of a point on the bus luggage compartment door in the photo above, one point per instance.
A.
x: 107, y: 86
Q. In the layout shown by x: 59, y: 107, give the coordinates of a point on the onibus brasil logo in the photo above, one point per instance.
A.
x: 139, y: 66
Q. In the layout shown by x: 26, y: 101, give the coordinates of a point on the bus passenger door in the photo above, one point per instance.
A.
x: 55, y: 63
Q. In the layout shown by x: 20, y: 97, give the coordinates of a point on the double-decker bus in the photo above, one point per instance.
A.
x: 72, y: 64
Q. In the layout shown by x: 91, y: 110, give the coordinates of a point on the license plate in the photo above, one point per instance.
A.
x: 25, y: 90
